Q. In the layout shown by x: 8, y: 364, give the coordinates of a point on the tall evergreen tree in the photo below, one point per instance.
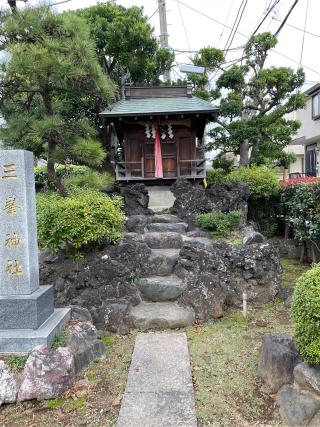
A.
x: 254, y: 103
x: 51, y: 87
x: 126, y: 45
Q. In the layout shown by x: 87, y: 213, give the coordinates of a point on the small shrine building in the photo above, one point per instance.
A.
x: 160, y: 133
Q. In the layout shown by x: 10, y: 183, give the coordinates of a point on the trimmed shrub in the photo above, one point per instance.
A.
x: 216, y: 176
x: 218, y: 222
x: 81, y: 220
x: 90, y: 179
x: 41, y: 173
x: 263, y: 183
x: 306, y: 315
x: 301, y: 208
x: 223, y: 164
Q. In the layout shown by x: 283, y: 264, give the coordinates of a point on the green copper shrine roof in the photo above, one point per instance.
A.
x: 159, y: 106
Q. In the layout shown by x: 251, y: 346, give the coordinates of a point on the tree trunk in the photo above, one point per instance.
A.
x: 52, y: 175
x: 244, y: 153
x: 52, y: 144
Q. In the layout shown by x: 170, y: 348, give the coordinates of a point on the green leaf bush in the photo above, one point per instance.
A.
x: 82, y: 220
x: 300, y: 205
x: 41, y: 173
x: 306, y: 315
x: 216, y: 176
x: 262, y: 182
x: 89, y: 179
x: 220, y: 223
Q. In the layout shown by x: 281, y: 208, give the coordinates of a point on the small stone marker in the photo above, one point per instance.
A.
x: 27, y: 314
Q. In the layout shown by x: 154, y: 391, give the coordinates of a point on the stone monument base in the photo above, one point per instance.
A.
x: 19, y: 311
x: 25, y: 340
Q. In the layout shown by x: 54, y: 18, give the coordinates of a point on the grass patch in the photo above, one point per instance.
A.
x: 224, y: 358
x: 59, y: 339
x: 17, y: 362
x: 55, y: 403
x: 292, y: 270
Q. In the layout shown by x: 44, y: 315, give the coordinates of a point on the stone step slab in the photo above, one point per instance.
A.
x: 158, y: 289
x: 167, y: 240
x: 162, y: 262
x: 159, y: 389
x: 164, y: 218
x: 161, y: 315
x: 177, y: 227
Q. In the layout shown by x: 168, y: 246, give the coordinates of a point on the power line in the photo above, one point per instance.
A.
x: 184, y: 27
x: 299, y: 29
x: 244, y: 35
x: 304, y: 34
x: 151, y: 16
x: 268, y: 11
x: 227, y: 19
x: 286, y: 17
x: 236, y: 23
x: 209, y: 17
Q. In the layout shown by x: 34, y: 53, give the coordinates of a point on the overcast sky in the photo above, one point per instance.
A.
x: 202, y: 31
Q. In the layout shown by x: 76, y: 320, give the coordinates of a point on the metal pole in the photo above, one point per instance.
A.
x: 164, y: 36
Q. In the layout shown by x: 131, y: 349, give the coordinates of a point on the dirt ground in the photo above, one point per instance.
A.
x: 224, y: 357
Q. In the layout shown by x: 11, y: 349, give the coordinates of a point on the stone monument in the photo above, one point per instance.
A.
x: 27, y: 314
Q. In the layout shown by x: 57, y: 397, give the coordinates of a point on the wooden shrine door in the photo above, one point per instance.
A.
x: 169, y: 158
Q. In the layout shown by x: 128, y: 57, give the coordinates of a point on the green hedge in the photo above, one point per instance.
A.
x: 220, y: 223
x: 74, y: 223
x: 306, y: 315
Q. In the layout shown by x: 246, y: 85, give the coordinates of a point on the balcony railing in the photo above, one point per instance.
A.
x: 126, y: 171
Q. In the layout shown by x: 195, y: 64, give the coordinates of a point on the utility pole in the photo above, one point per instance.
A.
x: 164, y: 36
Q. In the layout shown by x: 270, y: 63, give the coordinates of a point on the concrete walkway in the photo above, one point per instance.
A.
x: 159, y: 391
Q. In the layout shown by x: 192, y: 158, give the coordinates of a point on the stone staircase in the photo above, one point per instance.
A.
x: 158, y: 309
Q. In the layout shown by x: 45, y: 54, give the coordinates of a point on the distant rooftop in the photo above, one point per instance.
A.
x: 159, y: 100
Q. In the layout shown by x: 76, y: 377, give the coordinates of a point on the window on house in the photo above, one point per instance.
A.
x: 316, y: 106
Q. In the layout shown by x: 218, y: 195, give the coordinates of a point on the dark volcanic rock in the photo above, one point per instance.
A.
x: 102, y: 282
x: 217, y: 274
x: 192, y: 199
x: 136, y: 199
x: 278, y: 358
x: 251, y: 236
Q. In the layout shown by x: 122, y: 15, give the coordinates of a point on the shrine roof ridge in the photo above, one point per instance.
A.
x: 159, y: 106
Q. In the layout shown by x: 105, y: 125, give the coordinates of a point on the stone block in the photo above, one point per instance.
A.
x: 296, y: 409
x: 308, y: 377
x: 159, y: 289
x: 25, y: 340
x: 83, y: 341
x: 277, y: 360
x: 26, y: 311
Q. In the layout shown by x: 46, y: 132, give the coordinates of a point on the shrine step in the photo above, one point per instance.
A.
x: 161, y: 315
x: 159, y: 288
x: 166, y: 240
x: 162, y: 262
x: 165, y: 218
x: 176, y: 227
